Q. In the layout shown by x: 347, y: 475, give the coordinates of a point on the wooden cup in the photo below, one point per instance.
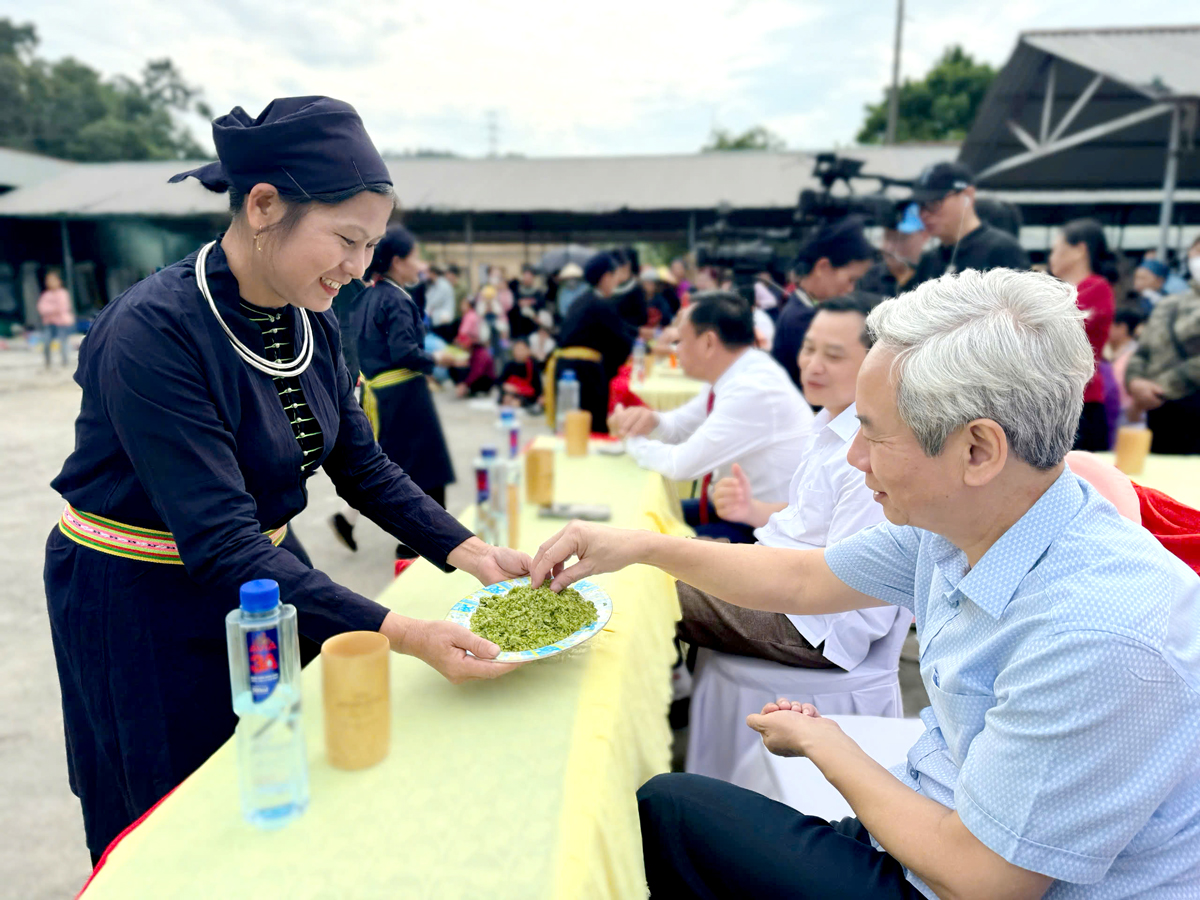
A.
x: 539, y: 477
x: 579, y: 428
x: 1133, y: 445
x: 355, y: 687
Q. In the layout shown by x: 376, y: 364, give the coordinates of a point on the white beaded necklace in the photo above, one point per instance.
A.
x: 269, y: 367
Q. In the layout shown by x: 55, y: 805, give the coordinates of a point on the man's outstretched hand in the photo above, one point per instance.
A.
x: 598, y: 548
x: 794, y: 729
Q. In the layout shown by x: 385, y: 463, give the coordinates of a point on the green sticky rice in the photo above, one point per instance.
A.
x: 526, y: 619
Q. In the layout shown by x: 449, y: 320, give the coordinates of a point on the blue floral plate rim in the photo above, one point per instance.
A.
x: 462, y: 611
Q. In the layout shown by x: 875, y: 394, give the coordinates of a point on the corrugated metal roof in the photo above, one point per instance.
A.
x: 745, y: 180
x: 19, y: 169
x: 1159, y: 62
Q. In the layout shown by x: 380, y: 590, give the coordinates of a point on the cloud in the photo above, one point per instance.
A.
x: 631, y: 76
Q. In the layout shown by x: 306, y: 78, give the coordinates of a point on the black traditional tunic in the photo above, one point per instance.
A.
x: 595, y: 323
x: 390, y: 331
x: 176, y: 433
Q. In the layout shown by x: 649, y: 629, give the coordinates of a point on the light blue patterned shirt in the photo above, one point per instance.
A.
x: 1063, y: 674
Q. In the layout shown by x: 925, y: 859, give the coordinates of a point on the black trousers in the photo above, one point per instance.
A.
x: 717, y: 528
x: 1093, y: 434
x: 708, y: 839
x: 1176, y: 425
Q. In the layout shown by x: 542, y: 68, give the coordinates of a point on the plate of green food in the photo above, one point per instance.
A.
x: 527, y: 623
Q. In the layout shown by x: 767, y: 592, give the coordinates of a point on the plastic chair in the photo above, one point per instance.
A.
x: 729, y: 687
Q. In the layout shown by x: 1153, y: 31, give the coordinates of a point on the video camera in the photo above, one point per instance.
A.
x: 748, y: 251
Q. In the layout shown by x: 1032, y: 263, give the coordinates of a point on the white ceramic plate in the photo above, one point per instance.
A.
x: 462, y: 611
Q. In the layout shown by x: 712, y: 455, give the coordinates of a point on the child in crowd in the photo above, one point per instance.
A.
x: 521, y: 381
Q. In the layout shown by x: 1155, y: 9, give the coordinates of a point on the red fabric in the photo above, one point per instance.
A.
x: 619, y: 390
x: 1095, y: 298
x: 1175, y: 524
x: 120, y: 837
x: 523, y: 386
x: 707, y: 480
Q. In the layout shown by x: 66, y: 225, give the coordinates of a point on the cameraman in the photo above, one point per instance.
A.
x: 901, y: 251
x: 946, y: 195
x: 827, y: 266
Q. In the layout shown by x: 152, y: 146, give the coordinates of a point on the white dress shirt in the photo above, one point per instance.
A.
x: 758, y: 420
x: 828, y: 500
x: 439, y: 301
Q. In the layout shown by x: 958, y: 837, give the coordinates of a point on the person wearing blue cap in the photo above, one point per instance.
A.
x: 1148, y: 280
x: 901, y: 250
x: 212, y: 391
x: 388, y: 328
x: 828, y: 265
x: 594, y: 342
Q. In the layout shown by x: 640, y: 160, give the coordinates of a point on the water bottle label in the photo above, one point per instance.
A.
x: 262, y: 648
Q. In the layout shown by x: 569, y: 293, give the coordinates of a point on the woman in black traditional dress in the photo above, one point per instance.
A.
x: 212, y: 390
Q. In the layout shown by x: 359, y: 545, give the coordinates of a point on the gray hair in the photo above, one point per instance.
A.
x: 1002, y: 345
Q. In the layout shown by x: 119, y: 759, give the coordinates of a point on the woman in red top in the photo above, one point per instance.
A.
x: 1081, y: 257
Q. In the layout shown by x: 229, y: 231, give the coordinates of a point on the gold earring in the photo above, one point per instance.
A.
x: 256, y: 246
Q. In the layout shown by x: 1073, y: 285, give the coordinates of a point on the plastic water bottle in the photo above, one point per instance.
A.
x: 639, y: 360
x: 264, y: 675
x: 512, y: 431
x: 497, y: 504
x: 566, y: 399
x: 484, y: 487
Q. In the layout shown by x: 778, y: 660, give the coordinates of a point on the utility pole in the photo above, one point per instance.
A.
x: 894, y: 99
x: 493, y: 133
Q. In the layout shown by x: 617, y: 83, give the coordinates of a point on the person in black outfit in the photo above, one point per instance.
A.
x: 946, y: 195
x: 594, y: 324
x: 900, y: 250
x: 389, y: 332
x: 630, y: 293
x: 828, y: 265
x: 520, y: 380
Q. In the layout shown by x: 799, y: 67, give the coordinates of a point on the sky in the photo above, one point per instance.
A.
x: 559, y: 78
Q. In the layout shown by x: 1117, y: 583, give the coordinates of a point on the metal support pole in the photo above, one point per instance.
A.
x: 68, y: 261
x: 1169, y: 176
x: 469, y: 239
x: 894, y: 98
x: 691, y: 237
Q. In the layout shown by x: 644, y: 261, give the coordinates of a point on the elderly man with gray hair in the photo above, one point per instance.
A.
x: 1059, y: 642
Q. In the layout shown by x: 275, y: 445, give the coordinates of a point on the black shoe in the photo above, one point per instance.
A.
x: 344, y: 531
x: 403, y: 551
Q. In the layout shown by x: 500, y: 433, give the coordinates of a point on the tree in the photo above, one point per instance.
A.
x: 66, y: 109
x: 757, y: 138
x: 940, y: 107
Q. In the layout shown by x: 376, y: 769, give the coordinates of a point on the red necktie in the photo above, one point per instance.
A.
x: 707, y: 480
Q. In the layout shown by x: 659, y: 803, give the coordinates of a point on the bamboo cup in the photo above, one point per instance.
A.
x: 579, y: 427
x: 539, y: 477
x: 354, y: 680
x: 1133, y: 445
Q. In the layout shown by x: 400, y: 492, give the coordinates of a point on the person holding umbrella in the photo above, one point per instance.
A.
x: 212, y: 391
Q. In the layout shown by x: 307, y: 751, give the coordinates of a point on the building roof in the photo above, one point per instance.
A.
x: 1087, y: 110
x: 1159, y: 62
x: 703, y: 181
x: 19, y: 169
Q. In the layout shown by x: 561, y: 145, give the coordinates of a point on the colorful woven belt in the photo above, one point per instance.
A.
x: 117, y: 539
x: 384, y: 379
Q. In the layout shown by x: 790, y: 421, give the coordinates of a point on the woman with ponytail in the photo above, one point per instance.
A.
x: 389, y: 328
x: 1081, y: 257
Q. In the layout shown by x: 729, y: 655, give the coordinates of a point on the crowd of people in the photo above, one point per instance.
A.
x: 859, y: 462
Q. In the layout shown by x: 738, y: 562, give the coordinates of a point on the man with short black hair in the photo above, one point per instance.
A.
x: 751, y: 415
x: 828, y: 265
x: 945, y: 193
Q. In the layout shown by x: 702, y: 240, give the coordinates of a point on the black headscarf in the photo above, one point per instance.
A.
x: 303, y: 146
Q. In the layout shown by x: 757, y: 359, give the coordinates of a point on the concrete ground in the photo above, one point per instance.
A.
x: 42, y: 854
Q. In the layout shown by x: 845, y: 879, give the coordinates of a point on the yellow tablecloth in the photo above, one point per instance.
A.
x: 1177, y: 476
x: 666, y: 388
x: 517, y: 788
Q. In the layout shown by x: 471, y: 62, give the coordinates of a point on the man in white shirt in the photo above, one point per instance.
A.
x: 440, y: 305
x: 828, y: 500
x: 751, y: 415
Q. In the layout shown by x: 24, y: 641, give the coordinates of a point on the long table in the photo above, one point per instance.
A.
x: 665, y: 388
x: 517, y: 788
x: 1177, y: 476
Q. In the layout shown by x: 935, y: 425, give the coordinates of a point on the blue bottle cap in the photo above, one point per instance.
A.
x: 488, y: 452
x: 568, y: 375
x: 260, y: 595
